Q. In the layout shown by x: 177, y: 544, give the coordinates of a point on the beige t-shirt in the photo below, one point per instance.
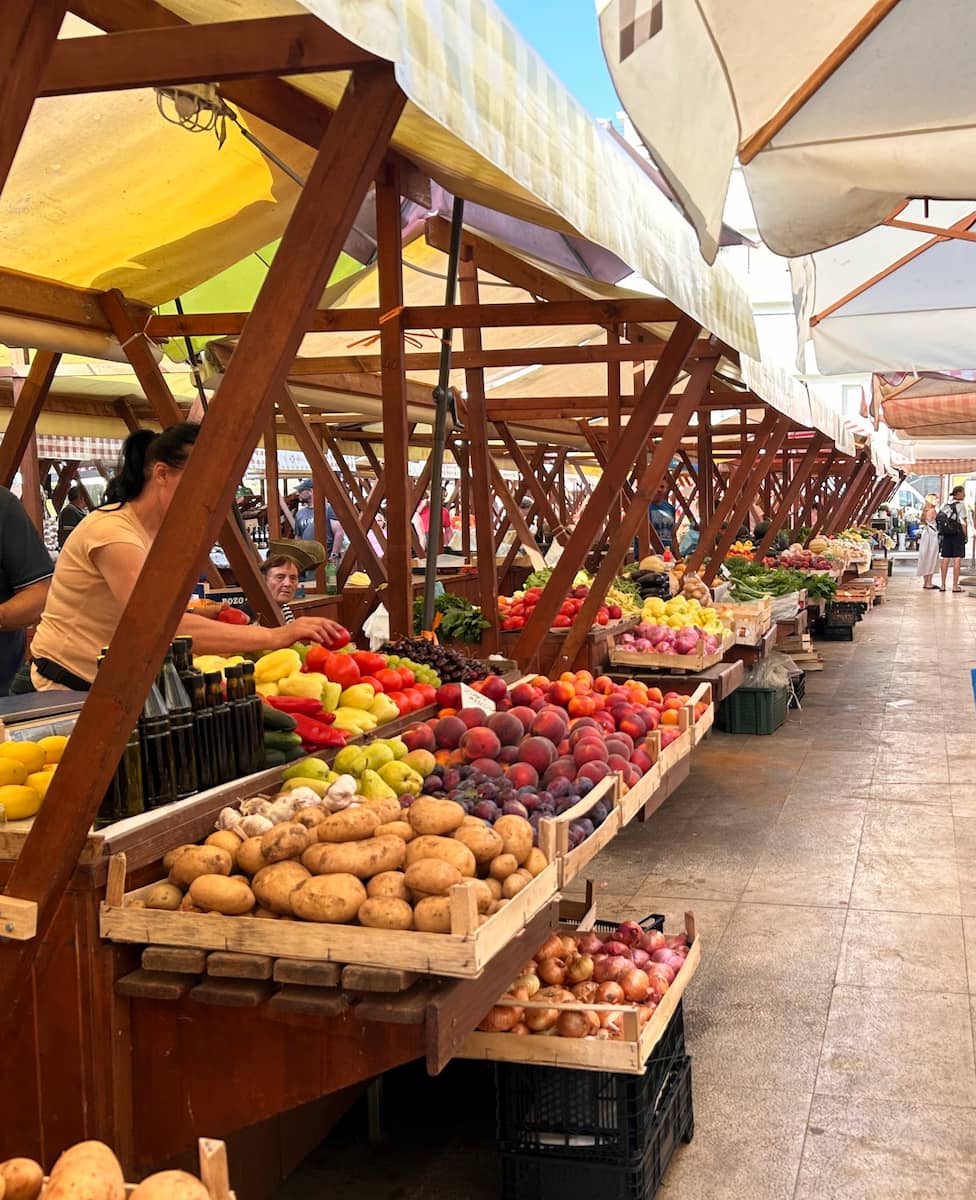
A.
x: 81, y: 614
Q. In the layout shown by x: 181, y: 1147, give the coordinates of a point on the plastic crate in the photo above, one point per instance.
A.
x: 836, y: 633
x: 837, y: 612
x: 599, y: 1116
x: 753, y: 710
x: 550, y: 1177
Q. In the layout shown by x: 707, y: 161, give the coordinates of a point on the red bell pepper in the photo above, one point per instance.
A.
x: 233, y: 616
x: 341, y: 669
x: 368, y: 662
x: 316, y: 658
x: 307, y: 705
x: 316, y: 733
x: 342, y: 638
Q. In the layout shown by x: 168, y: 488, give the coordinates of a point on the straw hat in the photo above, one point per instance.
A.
x: 305, y: 553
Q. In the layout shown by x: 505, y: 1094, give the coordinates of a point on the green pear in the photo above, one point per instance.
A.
x: 402, y: 779
x: 374, y: 787
x: 351, y: 760
x: 378, y: 754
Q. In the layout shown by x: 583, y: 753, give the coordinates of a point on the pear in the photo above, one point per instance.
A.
x: 373, y: 787
x: 351, y: 760
x: 378, y: 754
x: 402, y: 779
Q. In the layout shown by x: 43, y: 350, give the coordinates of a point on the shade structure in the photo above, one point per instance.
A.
x: 928, y: 405
x: 901, y: 297
x: 838, y: 111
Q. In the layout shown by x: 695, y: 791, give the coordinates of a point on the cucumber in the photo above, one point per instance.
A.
x: 295, y: 753
x: 275, y: 739
x: 281, y: 721
x: 274, y: 758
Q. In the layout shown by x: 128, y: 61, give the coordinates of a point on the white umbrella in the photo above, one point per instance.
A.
x: 838, y: 111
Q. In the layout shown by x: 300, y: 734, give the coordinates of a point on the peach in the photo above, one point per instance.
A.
x: 480, y: 743
x: 507, y: 727
x: 594, y: 771
x: 525, y: 714
x: 494, y: 687
x: 561, y: 693
x: 548, y: 725
x: 641, y: 760
x: 590, y: 750
x: 668, y: 736
x: 419, y: 737
x: 508, y: 755
x: 580, y: 733
x: 562, y: 768
x: 617, y: 762
x: 472, y: 717
x: 620, y: 743
x: 633, y: 725
x: 632, y: 775
x: 449, y: 731
x: 523, y: 694
x: 523, y: 774
x: 538, y: 705
x: 448, y: 695
x: 488, y: 766
x: 537, y: 751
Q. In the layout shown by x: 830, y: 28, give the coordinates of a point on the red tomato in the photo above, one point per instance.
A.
x: 376, y: 685
x: 402, y: 702
x: 407, y: 677
x: 562, y: 622
x: 389, y: 677
x: 414, y: 697
x: 368, y: 662
x: 316, y: 658
x: 429, y: 692
x: 602, y: 618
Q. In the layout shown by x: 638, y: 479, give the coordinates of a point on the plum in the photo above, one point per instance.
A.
x: 514, y: 808
x: 487, y: 810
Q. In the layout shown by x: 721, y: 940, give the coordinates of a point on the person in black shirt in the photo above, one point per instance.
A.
x: 73, y: 513
x: 25, y: 574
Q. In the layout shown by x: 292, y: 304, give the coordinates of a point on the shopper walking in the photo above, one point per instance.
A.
x: 928, y: 546
x: 72, y: 515
x: 953, y: 525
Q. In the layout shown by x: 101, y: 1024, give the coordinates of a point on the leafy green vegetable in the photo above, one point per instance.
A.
x: 539, y: 578
x: 752, y: 581
x: 460, y: 619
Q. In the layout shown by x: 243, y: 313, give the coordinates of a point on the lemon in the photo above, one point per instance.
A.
x: 28, y: 753
x: 19, y: 802
x: 53, y: 747
x: 12, y: 772
x: 40, y: 781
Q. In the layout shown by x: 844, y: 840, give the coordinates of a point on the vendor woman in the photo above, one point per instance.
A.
x: 283, y: 569
x: 101, y: 561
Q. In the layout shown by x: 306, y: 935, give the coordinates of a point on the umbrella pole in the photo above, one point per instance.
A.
x: 441, y: 393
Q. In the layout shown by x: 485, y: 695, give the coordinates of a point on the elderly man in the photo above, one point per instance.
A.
x: 25, y: 576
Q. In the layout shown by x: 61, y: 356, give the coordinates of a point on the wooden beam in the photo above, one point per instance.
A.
x: 607, y: 489
x: 533, y: 483
x: 29, y: 397
x: 65, y: 476
x: 817, y: 481
x: 41, y: 299
x: 272, y: 487
x: 522, y: 532
x: 399, y: 549
x: 852, y: 495
x: 622, y: 535
x: 347, y: 162
x: 233, y: 541
x: 366, y: 523
x: 28, y: 36
x: 843, y: 479
x: 205, y: 53
x: 30, y: 485
x: 801, y: 475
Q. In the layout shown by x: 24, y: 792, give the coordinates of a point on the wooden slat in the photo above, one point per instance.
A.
x: 227, y: 964
x: 28, y: 36
x: 231, y: 993
x: 272, y: 488
x: 184, y: 960
x: 377, y: 979
x: 311, y: 974
x: 309, y: 1001
x: 531, y: 479
x: 152, y: 985
x: 18, y: 918
x: 405, y: 1008
x: 323, y: 215
x: 28, y: 403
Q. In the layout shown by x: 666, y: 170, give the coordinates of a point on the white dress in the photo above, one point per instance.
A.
x: 928, y: 550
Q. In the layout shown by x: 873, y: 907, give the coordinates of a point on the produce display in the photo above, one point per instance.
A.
x: 754, y: 580
x: 578, y: 985
x: 91, y: 1170
x: 26, y: 771
x: 742, y: 549
x: 800, y: 560
x: 681, y: 613
x: 515, y: 610
x: 662, y: 639
x: 455, y: 618
x: 447, y: 665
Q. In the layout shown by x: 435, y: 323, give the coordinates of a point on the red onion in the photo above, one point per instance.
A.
x: 615, y: 947
x: 661, y: 956
x: 657, y: 984
x: 662, y: 969
x: 580, y: 969
x: 641, y: 957
x: 610, y: 993
x: 636, y: 984
x: 629, y: 932
x: 589, y: 943
x: 602, y: 968
x: 678, y: 939
x: 652, y: 940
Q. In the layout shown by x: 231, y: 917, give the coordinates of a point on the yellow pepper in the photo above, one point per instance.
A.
x: 309, y: 685
x: 267, y: 689
x: 276, y: 666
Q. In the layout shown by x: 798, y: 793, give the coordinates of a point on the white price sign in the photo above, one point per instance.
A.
x: 472, y: 699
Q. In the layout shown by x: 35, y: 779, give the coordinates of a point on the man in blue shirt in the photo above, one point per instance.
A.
x: 663, y: 515
x: 25, y: 575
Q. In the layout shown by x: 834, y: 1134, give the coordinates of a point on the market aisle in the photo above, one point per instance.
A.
x: 832, y: 868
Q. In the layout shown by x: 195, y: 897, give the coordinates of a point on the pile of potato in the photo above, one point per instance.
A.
x: 375, y: 863
x: 90, y: 1171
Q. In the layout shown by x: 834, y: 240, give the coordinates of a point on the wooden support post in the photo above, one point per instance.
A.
x: 272, y: 487
x: 28, y: 35
x: 623, y: 535
x: 608, y: 488
x: 532, y: 482
x: 65, y: 476
x: 479, y: 461
x: 766, y: 449
x: 30, y: 485
x: 527, y: 541
x: 461, y: 458
x: 852, y: 495
x: 29, y: 397
x: 842, y: 479
x: 347, y: 161
x: 874, y: 499
x: 804, y: 469
x: 814, y: 488
x: 399, y: 541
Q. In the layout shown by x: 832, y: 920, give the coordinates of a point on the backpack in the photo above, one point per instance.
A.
x: 947, y: 522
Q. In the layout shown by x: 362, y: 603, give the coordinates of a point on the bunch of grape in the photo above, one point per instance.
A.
x: 448, y: 665
x: 422, y: 672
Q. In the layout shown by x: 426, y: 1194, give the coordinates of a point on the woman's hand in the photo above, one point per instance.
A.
x: 309, y: 629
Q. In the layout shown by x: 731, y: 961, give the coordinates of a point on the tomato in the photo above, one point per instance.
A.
x: 391, y: 680
x: 369, y: 663
x: 233, y: 616
x: 341, y: 668
x: 402, y: 703
x: 602, y: 618
x: 340, y: 638
x: 414, y: 697
x: 407, y: 677
x: 316, y: 658
x: 377, y: 687
x: 429, y: 692
x: 562, y: 622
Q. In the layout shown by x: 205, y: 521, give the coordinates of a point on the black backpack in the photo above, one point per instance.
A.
x: 947, y: 522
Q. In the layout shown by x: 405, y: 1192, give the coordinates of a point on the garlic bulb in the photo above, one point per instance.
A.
x: 256, y: 804
x: 256, y: 824
x: 229, y: 818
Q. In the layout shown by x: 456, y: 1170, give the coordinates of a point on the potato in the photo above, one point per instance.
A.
x: 517, y: 835
x: 536, y: 863
x: 86, y: 1171
x: 400, y: 829
x: 187, y: 905
x: 362, y: 859
x: 475, y: 822
x: 386, y: 808
x: 310, y: 816
x: 388, y: 883
x: 227, y: 840
x: 290, y: 839
x: 385, y: 912
x: 430, y: 815
x: 164, y: 895
x: 171, y: 1185
x: 275, y: 883
x: 494, y: 886
x: 432, y: 877
x: 350, y: 825
x: 484, y: 893
x: 217, y: 893
x: 249, y: 857
x: 447, y: 849
x: 199, y: 860
x: 23, y: 1178
x: 503, y: 866
x: 514, y: 883
x: 333, y: 898
x: 496, y: 906
x: 483, y: 842
x: 433, y: 915
x: 171, y: 856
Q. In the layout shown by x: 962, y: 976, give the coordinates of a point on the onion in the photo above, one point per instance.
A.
x: 635, y: 984
x: 658, y: 985
x: 586, y: 992
x: 589, y: 943
x: 678, y: 939
x: 644, y: 1014
x: 629, y: 932
x: 521, y: 1029
x: 601, y: 968
x: 652, y: 940
x: 529, y: 982
x: 552, y: 970
x: 500, y: 1019
x: 641, y: 957
x: 573, y: 1024
x: 616, y: 948
x: 518, y: 994
x: 611, y: 1023
x: 610, y: 993
x: 555, y: 995
x: 569, y: 947
x: 663, y: 970
x: 580, y: 969
x: 552, y: 947
x: 661, y: 956
x: 541, y: 1019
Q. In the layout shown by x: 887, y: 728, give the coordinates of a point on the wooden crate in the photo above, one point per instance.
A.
x: 681, y: 746
x: 751, y: 620
x: 676, y: 662
x: 462, y: 953
x: 698, y: 729
x: 635, y: 799
x: 554, y: 832
x: 628, y: 1054
x: 214, y: 1174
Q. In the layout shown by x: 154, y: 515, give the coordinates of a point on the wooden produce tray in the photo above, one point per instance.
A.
x: 751, y: 620
x: 699, y: 728
x: 463, y: 953
x: 628, y: 1054
x: 213, y: 1170
x: 635, y: 799
x: 669, y: 755
x: 675, y: 662
x: 554, y: 832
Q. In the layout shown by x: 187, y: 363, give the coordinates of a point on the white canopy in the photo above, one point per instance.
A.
x: 838, y: 111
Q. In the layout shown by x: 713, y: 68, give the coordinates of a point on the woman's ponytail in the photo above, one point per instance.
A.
x: 140, y: 451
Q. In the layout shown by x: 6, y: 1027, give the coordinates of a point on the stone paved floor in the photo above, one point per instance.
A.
x: 832, y: 871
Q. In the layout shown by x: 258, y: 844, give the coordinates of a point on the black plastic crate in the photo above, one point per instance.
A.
x: 651, y: 921
x: 598, y: 1116
x: 837, y: 609
x: 836, y: 633
x: 550, y: 1177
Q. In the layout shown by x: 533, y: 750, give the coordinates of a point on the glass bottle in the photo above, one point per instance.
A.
x: 123, y: 798
x: 183, y: 657
x: 181, y: 727
x: 223, y: 734
x: 208, y: 771
x: 240, y: 712
x: 256, y: 705
x: 158, y: 773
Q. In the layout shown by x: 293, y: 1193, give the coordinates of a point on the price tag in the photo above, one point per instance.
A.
x: 472, y: 699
